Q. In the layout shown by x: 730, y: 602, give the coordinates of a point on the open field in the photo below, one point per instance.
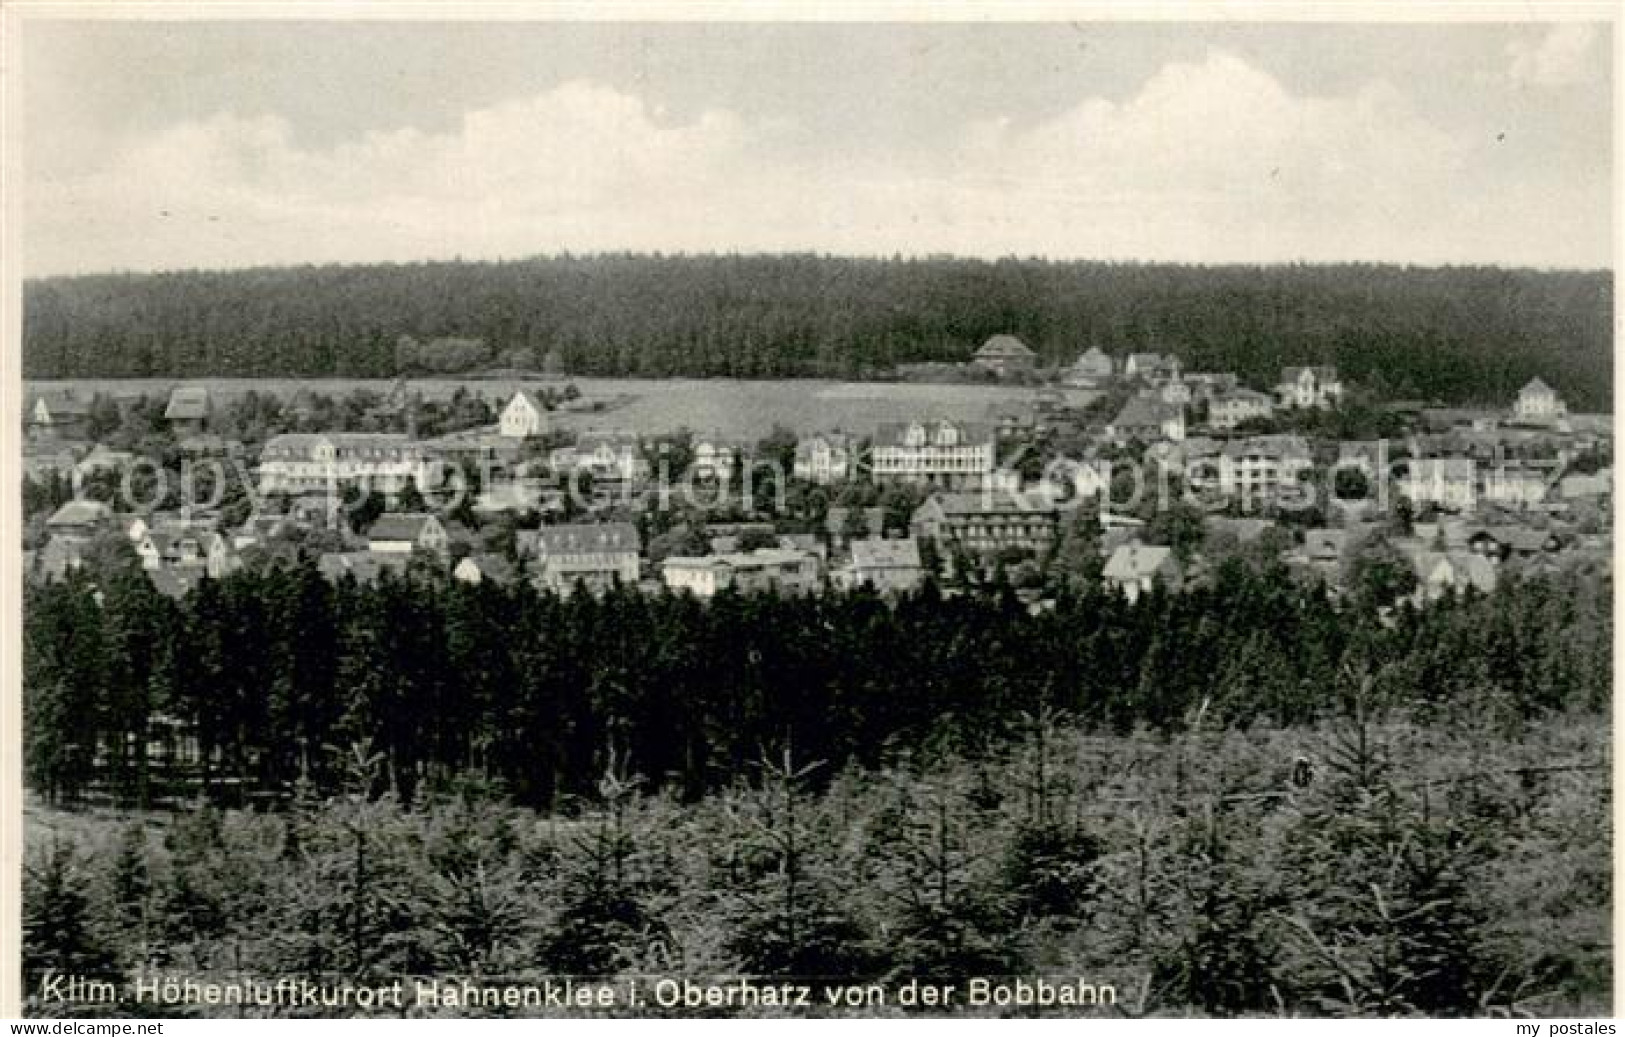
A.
x: 729, y: 407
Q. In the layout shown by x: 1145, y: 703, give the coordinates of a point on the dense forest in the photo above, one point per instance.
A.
x: 1451, y: 334
x: 1456, y: 868
x: 272, y: 664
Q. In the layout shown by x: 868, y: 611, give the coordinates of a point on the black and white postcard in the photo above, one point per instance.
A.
x: 808, y: 512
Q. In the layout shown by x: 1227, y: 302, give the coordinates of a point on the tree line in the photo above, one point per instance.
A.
x: 1367, y: 866
x: 272, y: 665
x: 1456, y: 334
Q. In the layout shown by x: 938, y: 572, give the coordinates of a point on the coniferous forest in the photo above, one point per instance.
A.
x: 1460, y: 334
x: 1242, y: 799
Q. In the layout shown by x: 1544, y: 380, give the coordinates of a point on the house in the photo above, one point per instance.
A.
x: 1136, y: 568
x: 1152, y: 368
x: 1449, y: 483
x: 60, y: 556
x: 58, y: 415
x: 889, y: 566
x: 1439, y: 573
x: 301, y: 462
x: 79, y: 520
x: 1229, y: 409
x: 715, y: 459
x: 946, y: 453
x: 596, y: 555
x: 365, y: 567
x: 1175, y: 391
x: 1538, y: 404
x: 1005, y: 355
x: 1091, y: 370
x: 1013, y: 421
x: 768, y: 568
x: 188, y: 410
x: 825, y: 458
x: 1308, y: 387
x: 523, y: 417
x: 1146, y: 419
x: 520, y: 496
x: 482, y: 568
x: 1514, y: 485
x: 984, y: 522
x: 1262, y: 467
x: 1205, y: 385
x: 403, y: 533
x: 1502, y: 542
x: 615, y: 457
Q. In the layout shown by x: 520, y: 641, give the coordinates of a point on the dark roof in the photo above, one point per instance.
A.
x: 588, y: 538
x: 1143, y: 411
x: 1005, y: 346
x: 400, y: 526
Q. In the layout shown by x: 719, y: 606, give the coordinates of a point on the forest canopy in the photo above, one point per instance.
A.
x: 1454, y: 334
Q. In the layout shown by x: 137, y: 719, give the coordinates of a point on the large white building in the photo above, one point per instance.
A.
x: 1261, y: 467
x: 1309, y: 387
x: 595, y: 555
x: 825, y: 458
x: 1449, y: 483
x: 303, y: 462
x: 781, y: 569
x: 941, y: 452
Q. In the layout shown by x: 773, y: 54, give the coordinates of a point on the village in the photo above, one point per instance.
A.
x: 1162, y: 475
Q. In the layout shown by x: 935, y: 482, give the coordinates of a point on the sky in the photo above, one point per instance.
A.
x: 224, y: 144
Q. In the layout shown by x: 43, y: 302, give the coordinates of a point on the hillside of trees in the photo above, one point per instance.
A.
x: 272, y: 663
x: 1459, y: 868
x: 1462, y: 335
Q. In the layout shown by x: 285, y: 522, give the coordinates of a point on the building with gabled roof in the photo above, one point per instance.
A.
x: 949, y: 453
x: 987, y: 521
x: 597, y: 555
x: 1136, y: 568
x: 188, y: 409
x: 1147, y: 419
x: 405, y: 532
x: 889, y: 566
x: 524, y: 417
x: 1538, y: 404
x: 1005, y: 355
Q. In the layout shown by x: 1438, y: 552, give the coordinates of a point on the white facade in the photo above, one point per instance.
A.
x: 1309, y: 387
x: 302, y: 462
x: 1231, y: 409
x: 1445, y: 482
x: 1538, y: 403
x: 522, y: 418
x: 824, y: 459
x: 922, y: 452
x: 1262, y: 466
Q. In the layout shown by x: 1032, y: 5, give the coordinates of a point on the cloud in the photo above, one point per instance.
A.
x: 1557, y: 59
x: 1209, y: 161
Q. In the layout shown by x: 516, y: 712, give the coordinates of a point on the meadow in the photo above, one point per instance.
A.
x: 738, y: 409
